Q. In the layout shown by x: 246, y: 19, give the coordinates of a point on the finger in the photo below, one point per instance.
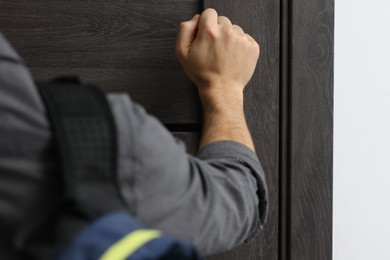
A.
x: 238, y: 30
x: 254, y: 42
x: 250, y: 38
x: 224, y: 20
x: 209, y: 17
x: 186, y: 35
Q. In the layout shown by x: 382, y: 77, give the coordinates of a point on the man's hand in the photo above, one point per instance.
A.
x: 220, y: 59
x: 215, y: 54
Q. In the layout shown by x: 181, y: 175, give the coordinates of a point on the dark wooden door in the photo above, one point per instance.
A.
x: 128, y: 46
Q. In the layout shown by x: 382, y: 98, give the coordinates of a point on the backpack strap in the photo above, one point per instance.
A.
x: 85, y: 138
x: 85, y: 133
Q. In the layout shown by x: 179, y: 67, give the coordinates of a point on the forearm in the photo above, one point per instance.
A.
x: 224, y: 119
x: 220, y: 59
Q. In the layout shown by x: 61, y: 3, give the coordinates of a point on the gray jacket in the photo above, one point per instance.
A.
x: 216, y: 200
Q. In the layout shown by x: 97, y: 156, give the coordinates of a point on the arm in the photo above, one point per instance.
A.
x: 218, y: 199
x: 220, y: 59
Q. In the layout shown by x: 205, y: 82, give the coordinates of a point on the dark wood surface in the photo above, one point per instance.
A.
x: 121, y: 45
x: 169, y: 96
x: 261, y: 20
x: 311, y: 132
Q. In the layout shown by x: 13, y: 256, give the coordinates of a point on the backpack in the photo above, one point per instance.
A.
x: 91, y: 221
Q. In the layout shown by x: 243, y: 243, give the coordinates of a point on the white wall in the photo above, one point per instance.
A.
x: 361, y: 204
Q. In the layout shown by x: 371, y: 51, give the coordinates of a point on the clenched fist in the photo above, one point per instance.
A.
x: 218, y: 56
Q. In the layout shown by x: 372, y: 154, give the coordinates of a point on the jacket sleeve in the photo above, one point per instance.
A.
x: 217, y: 199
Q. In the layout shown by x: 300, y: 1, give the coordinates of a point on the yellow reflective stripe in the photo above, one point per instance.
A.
x: 129, y: 244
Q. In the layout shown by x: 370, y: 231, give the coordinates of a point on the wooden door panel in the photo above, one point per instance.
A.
x: 169, y: 96
x: 120, y: 45
x: 311, y: 145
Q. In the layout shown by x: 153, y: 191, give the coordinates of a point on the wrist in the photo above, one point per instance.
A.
x: 223, y: 118
x: 221, y: 100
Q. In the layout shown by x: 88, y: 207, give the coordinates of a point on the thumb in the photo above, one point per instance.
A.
x: 186, y: 35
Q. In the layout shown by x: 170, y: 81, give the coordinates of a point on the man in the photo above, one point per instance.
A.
x: 216, y: 200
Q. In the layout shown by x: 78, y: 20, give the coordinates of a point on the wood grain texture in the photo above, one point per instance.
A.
x: 169, y: 96
x: 121, y: 45
x: 261, y: 20
x: 311, y: 129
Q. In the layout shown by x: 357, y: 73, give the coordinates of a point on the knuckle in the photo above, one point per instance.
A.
x: 230, y: 33
x: 222, y: 17
x: 226, y: 29
x: 249, y: 37
x: 253, y: 44
x: 238, y: 28
x: 209, y: 29
x: 211, y: 10
x: 183, y: 24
